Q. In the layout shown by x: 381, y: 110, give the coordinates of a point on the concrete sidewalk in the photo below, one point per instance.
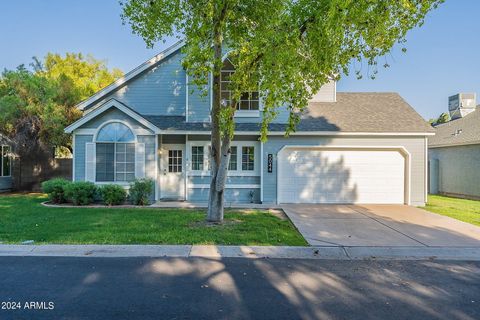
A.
x: 212, y: 251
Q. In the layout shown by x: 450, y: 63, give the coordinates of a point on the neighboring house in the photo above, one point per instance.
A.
x: 5, y: 164
x: 454, y: 151
x: 348, y: 147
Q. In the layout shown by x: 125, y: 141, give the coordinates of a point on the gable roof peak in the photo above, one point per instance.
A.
x: 131, y: 74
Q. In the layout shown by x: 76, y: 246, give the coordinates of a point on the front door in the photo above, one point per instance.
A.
x: 172, y: 174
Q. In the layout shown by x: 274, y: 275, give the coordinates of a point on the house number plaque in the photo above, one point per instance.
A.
x: 270, y: 163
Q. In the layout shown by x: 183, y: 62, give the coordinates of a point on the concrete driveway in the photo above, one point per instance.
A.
x: 379, y: 225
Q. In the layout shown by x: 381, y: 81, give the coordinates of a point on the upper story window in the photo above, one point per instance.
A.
x: 5, y: 161
x: 249, y: 101
x: 115, y: 153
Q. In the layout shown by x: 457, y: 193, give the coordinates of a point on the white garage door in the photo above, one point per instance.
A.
x: 340, y: 176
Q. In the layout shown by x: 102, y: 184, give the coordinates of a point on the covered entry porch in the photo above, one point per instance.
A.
x: 183, y: 169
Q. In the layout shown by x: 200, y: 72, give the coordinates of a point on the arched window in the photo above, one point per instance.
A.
x: 115, y: 132
x: 115, y: 153
x: 248, y: 100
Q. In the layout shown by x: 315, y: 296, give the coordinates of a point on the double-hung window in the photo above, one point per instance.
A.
x: 248, y: 158
x: 197, y: 158
x: 5, y: 161
x: 115, y: 153
x: 232, y: 166
x: 242, y: 159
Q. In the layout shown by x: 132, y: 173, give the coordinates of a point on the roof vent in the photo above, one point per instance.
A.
x: 461, y: 104
x: 457, y: 132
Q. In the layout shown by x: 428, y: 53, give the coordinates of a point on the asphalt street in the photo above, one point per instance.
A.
x: 236, y: 288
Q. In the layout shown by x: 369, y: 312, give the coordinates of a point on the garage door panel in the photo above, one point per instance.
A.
x: 341, y: 176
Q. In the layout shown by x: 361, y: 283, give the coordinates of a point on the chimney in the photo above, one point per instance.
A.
x: 461, y: 104
x: 327, y: 93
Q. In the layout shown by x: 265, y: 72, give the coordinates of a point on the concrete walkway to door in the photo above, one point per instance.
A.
x: 379, y: 226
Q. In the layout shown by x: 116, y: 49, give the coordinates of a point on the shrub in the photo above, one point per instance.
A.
x: 140, y: 191
x: 80, y: 193
x: 112, y: 194
x: 55, y: 189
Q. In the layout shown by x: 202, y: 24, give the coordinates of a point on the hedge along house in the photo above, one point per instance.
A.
x: 6, y: 159
x: 348, y: 147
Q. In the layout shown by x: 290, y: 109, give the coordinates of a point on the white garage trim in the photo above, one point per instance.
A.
x: 401, y: 149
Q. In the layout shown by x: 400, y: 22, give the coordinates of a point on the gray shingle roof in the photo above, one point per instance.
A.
x: 457, y: 132
x: 368, y: 112
x: 352, y: 112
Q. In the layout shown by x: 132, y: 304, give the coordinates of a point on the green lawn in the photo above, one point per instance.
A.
x: 22, y: 217
x: 460, y: 209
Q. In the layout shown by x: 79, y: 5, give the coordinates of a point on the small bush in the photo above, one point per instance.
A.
x: 112, y: 194
x: 55, y: 189
x: 80, y: 193
x: 140, y: 191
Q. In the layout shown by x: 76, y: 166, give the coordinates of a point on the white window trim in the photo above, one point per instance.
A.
x: 205, y: 156
x: 95, y: 141
x: 231, y: 173
x: 114, y: 181
x: 247, y: 114
x: 1, y: 161
x: 239, y: 113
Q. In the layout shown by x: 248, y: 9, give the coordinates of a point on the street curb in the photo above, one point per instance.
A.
x: 252, y: 252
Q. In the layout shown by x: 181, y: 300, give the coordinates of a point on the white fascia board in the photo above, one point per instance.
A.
x: 306, y: 133
x: 106, y: 106
x: 141, y: 68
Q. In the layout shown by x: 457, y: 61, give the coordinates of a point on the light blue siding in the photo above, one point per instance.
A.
x: 231, y: 195
x: 458, y: 169
x: 414, y: 145
x: 160, y: 90
x: 79, y: 156
x: 282, y: 116
x: 113, y: 114
x: 199, y: 103
x: 230, y: 180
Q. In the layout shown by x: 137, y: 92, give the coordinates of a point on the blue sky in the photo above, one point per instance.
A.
x: 442, y: 57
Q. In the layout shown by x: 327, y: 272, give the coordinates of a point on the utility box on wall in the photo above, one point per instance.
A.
x: 433, y: 174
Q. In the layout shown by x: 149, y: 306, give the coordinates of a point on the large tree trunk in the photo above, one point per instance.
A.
x: 219, y: 169
x: 220, y: 146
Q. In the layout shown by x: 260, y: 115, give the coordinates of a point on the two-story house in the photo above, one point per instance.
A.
x: 348, y: 147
